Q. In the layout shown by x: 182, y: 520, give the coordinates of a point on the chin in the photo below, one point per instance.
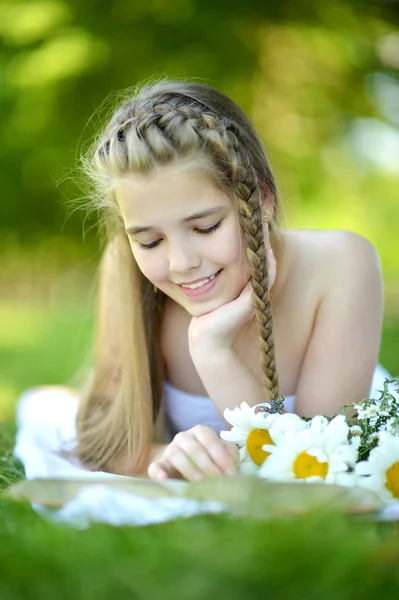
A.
x: 198, y: 309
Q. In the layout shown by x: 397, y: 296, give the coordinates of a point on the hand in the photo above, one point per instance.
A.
x: 217, y: 330
x: 195, y: 454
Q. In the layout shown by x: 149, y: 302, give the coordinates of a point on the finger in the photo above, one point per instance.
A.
x: 216, y: 449
x: 163, y: 470
x: 157, y: 470
x: 178, y: 460
x: 246, y: 292
x: 242, y: 307
x: 233, y: 451
x: 199, y: 456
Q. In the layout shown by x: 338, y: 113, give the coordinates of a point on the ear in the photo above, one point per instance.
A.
x: 268, y: 209
x: 267, y: 202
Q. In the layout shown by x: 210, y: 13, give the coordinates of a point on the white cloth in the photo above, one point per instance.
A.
x: 46, y: 421
x: 184, y: 410
x: 46, y: 425
x: 102, y: 504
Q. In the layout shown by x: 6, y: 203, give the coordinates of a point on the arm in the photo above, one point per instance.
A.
x: 343, y: 348
x: 228, y: 380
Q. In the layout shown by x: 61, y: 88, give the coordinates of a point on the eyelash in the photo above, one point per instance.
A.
x: 207, y: 231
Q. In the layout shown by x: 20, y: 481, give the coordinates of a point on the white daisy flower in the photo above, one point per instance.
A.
x: 319, y: 452
x: 355, y: 442
x: 286, y: 425
x: 383, y: 413
x: 355, y: 430
x: 373, y: 437
x: 361, y: 411
x: 367, y: 412
x: 371, y: 411
x: 380, y: 472
x: 252, y: 430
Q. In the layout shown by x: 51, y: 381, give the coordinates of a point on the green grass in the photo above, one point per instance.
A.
x: 11, y: 470
x: 328, y: 556
x: 203, y: 557
x: 39, y: 346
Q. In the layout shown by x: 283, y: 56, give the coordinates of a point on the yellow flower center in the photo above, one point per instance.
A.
x: 255, y: 440
x: 392, y: 481
x: 306, y: 465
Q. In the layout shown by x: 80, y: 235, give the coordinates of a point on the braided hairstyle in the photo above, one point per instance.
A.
x: 172, y: 121
x: 166, y: 123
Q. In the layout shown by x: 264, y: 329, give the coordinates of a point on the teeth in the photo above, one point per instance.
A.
x: 199, y: 284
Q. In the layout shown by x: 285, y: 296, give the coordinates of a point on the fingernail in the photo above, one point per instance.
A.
x: 197, y: 476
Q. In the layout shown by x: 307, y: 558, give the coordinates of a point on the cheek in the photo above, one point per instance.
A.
x: 149, y: 265
x: 229, y: 250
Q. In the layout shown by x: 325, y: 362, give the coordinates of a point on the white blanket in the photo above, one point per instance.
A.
x: 46, y: 423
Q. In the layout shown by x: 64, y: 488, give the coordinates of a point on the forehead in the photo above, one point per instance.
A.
x: 167, y: 193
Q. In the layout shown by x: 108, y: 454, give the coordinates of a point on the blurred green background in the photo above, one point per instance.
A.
x: 320, y: 80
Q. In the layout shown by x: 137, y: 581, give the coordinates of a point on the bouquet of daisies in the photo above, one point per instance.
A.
x: 360, y: 450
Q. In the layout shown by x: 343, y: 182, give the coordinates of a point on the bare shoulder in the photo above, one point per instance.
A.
x: 323, y: 257
x: 328, y: 242
x: 337, y: 277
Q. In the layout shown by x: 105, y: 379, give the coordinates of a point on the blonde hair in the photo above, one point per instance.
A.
x: 162, y: 124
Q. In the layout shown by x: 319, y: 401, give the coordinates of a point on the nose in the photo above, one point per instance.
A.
x: 183, y: 258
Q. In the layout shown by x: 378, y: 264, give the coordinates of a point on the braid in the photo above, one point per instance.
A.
x: 251, y: 221
x: 250, y: 210
x: 161, y: 130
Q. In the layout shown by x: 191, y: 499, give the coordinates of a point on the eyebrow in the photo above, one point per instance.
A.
x: 198, y: 215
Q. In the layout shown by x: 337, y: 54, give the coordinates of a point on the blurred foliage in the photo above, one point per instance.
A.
x: 41, y: 346
x: 11, y: 469
x: 315, y: 77
x: 320, y: 80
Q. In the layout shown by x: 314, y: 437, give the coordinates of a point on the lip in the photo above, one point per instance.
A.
x: 204, y: 289
x: 197, y: 280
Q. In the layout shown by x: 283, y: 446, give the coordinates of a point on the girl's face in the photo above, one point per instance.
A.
x: 184, y: 230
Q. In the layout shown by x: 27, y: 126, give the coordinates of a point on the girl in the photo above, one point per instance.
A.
x: 204, y: 300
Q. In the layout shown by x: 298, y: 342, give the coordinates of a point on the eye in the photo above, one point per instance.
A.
x: 149, y: 246
x: 209, y: 229
x: 206, y: 231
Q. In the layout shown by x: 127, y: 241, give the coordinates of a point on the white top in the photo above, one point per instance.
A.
x: 184, y: 410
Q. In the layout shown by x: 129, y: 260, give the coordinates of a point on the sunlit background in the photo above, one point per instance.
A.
x: 320, y: 80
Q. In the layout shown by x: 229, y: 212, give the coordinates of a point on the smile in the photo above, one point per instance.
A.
x: 201, y: 286
x: 198, y: 284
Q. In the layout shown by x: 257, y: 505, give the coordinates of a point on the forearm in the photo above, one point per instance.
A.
x: 228, y: 380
